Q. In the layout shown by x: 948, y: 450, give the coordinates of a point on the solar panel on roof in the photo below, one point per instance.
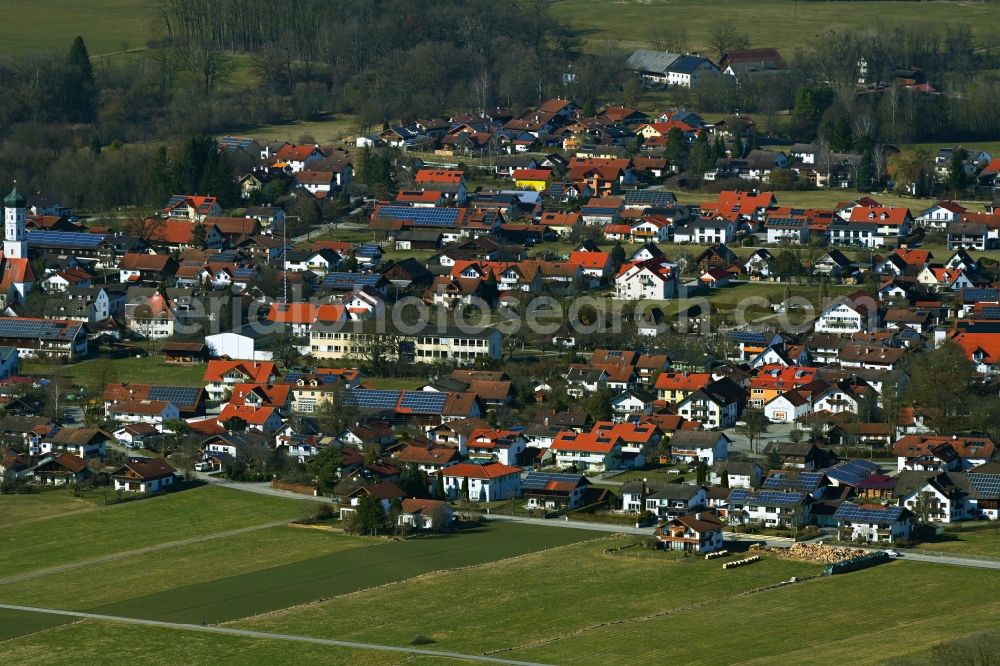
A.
x: 447, y: 217
x: 750, y: 337
x: 987, y: 486
x: 70, y: 239
x: 990, y: 312
x: 861, y: 514
x: 654, y: 198
x: 766, y: 497
x: 807, y: 481
x: 32, y: 328
x: 980, y: 295
x: 348, y: 281
x: 424, y: 402
x: 539, y: 480
x: 178, y: 395
x: 599, y: 210
x: 372, y: 398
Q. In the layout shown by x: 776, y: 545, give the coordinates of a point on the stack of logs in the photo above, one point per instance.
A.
x: 807, y: 552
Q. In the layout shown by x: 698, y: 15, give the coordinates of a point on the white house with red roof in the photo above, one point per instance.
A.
x: 221, y: 375
x: 940, y: 215
x: 941, y: 278
x: 488, y: 482
x: 653, y: 279
x: 595, y: 451
x: 504, y: 446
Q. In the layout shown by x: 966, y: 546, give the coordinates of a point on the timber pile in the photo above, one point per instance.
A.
x: 808, y: 552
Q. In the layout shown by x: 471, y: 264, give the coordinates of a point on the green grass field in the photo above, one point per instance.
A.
x: 530, y: 599
x: 863, y: 617
x: 93, y: 642
x: 189, y: 567
x: 967, y: 539
x: 266, y: 590
x: 145, y: 370
x: 785, y: 24
x: 107, y: 26
x: 341, y: 128
x: 65, y: 539
x: 20, y: 509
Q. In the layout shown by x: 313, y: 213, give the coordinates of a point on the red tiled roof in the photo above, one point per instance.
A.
x: 487, y: 471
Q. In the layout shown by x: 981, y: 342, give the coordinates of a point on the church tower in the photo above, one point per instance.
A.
x: 15, y: 244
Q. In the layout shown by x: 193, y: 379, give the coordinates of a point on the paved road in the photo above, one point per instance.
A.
x: 136, y: 551
x: 209, y: 629
x: 949, y: 559
x: 779, y: 542
x: 263, y: 488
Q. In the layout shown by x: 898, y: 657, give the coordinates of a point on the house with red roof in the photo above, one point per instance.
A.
x: 265, y: 419
x: 489, y: 482
x: 221, y: 375
x: 532, y: 179
x: 675, y: 386
x: 942, y: 452
x: 981, y: 344
x: 504, y: 446
x: 300, y: 316
x: 942, y: 278
x: 652, y: 279
x: 192, y: 207
x: 597, y: 265
x: 595, y: 451
x: 295, y: 158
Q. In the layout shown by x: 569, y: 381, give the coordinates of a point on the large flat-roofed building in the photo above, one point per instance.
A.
x: 431, y: 343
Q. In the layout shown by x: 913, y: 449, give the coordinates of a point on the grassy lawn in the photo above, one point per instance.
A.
x: 862, y: 617
x: 535, y: 597
x: 338, y: 573
x: 18, y: 623
x: 967, y: 539
x: 145, y: 370
x: 107, y: 26
x: 784, y: 24
x: 19, y: 509
x: 395, y: 383
x: 338, y: 129
x: 121, y: 527
x: 189, y: 566
x: 92, y: 642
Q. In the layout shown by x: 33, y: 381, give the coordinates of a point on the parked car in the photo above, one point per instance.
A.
x: 203, y: 467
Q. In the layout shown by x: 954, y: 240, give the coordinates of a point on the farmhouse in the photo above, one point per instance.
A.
x: 144, y: 476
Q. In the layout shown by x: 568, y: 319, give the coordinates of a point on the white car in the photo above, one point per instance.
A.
x: 203, y: 467
x: 893, y: 553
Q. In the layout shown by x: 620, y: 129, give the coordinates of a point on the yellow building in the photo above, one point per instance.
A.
x: 532, y: 179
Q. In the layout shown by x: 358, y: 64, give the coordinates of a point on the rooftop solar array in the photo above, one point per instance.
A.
x: 324, y: 378
x: 852, y: 472
x: 368, y: 250
x: 765, y: 497
x: 69, y: 239
x: 751, y: 337
x: 348, y: 281
x: 862, y: 514
x: 652, y: 198
x: 372, y: 398
x: 431, y: 217
x: 175, y: 199
x: 980, y: 295
x: 424, y: 402
x: 42, y: 329
x: 599, y: 210
x: 235, y: 142
x: 787, y: 222
x: 540, y: 480
x: 990, y: 312
x: 244, y: 273
x: 987, y: 486
x: 804, y: 481
x: 179, y: 396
